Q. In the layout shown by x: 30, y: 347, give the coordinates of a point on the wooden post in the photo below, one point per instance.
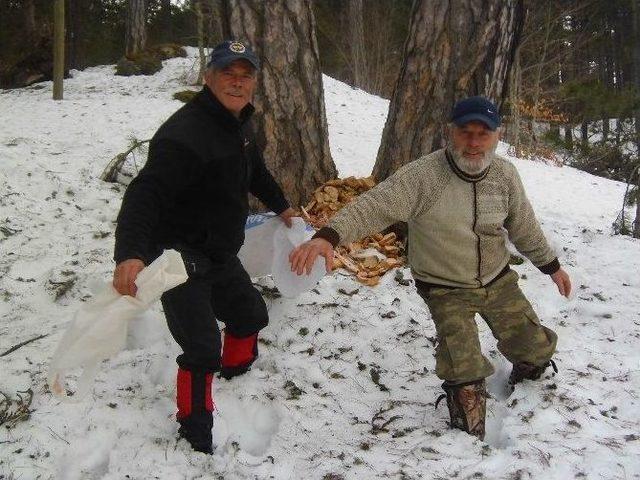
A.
x: 58, y: 49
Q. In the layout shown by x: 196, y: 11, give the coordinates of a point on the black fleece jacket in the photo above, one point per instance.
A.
x: 192, y: 192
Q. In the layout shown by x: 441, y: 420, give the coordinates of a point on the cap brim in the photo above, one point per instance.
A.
x: 492, y: 124
x: 224, y: 61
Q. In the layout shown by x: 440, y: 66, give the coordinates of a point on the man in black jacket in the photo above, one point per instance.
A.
x: 192, y: 196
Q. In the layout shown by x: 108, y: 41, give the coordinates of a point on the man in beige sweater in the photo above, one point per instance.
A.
x: 461, y: 205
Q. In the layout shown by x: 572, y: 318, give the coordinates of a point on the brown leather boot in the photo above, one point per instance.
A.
x: 467, y: 404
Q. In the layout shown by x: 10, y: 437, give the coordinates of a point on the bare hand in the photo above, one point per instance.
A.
x: 304, y: 256
x: 125, y: 275
x: 287, y: 215
x: 562, y: 280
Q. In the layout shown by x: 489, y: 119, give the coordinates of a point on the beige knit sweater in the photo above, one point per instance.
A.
x: 457, y: 226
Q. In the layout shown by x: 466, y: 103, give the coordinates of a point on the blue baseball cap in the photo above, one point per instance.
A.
x: 231, y: 50
x: 476, y: 108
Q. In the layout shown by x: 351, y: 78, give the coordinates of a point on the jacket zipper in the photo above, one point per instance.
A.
x: 243, y: 148
x: 475, y: 220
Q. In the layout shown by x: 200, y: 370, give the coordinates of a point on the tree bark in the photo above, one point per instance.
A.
x: 217, y: 29
x: 197, y: 6
x: 30, y: 31
x: 77, y: 13
x: 537, y: 85
x: 513, y: 127
x: 136, y: 31
x: 356, y: 42
x: 165, y: 20
x: 584, y: 133
x: 568, y: 136
x: 290, y: 118
x: 58, y: 49
x: 453, y: 50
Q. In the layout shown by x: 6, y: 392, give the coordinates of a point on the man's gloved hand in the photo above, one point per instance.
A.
x: 125, y: 275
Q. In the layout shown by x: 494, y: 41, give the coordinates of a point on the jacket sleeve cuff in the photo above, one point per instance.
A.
x: 329, y: 234
x: 121, y: 257
x: 551, y: 267
x: 280, y: 207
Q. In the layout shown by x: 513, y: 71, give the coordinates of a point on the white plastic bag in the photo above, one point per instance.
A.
x: 268, y: 242
x: 285, y: 239
x: 99, y: 328
x: 256, y: 255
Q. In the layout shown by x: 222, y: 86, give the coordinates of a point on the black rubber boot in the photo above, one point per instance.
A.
x: 527, y: 371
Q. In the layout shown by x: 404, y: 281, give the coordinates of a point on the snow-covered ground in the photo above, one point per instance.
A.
x: 310, y: 408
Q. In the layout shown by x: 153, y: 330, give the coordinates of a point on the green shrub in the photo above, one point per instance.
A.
x: 185, y: 95
x: 165, y: 51
x: 145, y: 63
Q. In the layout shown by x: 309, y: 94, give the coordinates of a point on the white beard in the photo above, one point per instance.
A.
x: 473, y: 167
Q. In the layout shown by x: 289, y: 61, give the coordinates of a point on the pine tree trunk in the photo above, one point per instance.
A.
x: 619, y: 129
x: 58, y: 49
x: 290, y: 120
x: 74, y: 35
x: 217, y: 29
x: 513, y: 132
x: 453, y: 50
x: 136, y: 33
x: 568, y: 136
x: 584, y: 133
x: 165, y: 20
x: 77, y: 30
x: 197, y: 6
x: 30, y: 31
x: 356, y: 42
x: 635, y: 5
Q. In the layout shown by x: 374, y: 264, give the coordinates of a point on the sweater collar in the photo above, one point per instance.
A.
x: 210, y: 103
x: 463, y: 175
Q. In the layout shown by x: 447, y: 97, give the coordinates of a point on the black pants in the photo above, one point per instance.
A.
x: 221, y: 290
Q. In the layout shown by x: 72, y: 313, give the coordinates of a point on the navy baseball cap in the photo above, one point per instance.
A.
x: 476, y: 108
x: 230, y: 50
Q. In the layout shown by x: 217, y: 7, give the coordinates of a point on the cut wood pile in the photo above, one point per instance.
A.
x: 368, y: 259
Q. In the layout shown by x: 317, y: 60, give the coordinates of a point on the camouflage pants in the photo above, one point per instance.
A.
x: 521, y: 337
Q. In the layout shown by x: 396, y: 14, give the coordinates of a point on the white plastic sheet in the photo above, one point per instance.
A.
x: 99, y: 328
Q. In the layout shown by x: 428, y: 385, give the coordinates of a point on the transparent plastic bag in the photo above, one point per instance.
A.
x: 256, y: 255
x: 99, y: 328
x: 289, y: 283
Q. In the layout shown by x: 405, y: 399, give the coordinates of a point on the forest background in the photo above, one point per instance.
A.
x: 571, y: 96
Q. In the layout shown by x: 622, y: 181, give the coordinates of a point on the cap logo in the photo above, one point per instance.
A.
x: 237, y: 47
x: 489, y: 110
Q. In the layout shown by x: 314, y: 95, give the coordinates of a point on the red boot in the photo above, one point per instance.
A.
x: 195, y: 409
x: 238, y: 354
